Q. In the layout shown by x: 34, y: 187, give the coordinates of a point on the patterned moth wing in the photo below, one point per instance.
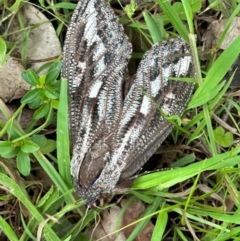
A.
x: 111, y: 138
x: 141, y: 120
x: 95, y: 55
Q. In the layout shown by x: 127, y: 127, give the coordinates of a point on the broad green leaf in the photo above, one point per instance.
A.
x: 23, y: 163
x: 31, y: 96
x: 5, y: 147
x: 53, y: 73
x: 42, y: 111
x: 32, y: 77
x: 36, y: 103
x: 29, y: 147
x: 205, y: 96
x: 48, y: 147
x: 50, y: 94
x: 12, y: 153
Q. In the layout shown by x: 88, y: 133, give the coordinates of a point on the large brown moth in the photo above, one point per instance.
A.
x: 112, y: 137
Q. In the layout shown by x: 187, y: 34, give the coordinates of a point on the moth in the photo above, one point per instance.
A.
x: 111, y: 136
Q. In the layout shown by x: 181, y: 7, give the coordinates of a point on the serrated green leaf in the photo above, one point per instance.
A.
x: 23, y: 163
x: 29, y: 146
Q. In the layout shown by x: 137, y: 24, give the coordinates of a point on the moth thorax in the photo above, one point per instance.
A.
x: 93, y: 163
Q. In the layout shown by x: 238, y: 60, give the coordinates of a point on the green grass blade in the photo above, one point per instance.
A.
x: 20, y: 194
x: 7, y: 230
x: 63, y: 152
x: 53, y: 174
x: 169, y: 178
x: 160, y: 226
x: 174, y: 18
x: 216, y: 74
x: 153, y: 28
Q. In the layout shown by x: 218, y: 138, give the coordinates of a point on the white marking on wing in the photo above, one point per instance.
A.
x: 78, y: 78
x: 167, y: 109
x: 155, y: 86
x: 145, y: 107
x: 100, y: 66
x: 94, y: 90
x: 92, y: 37
x: 182, y: 66
x: 170, y: 96
x: 166, y: 74
x: 102, y: 105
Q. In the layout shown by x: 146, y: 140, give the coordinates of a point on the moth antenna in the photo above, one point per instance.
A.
x: 85, y: 214
x: 95, y: 226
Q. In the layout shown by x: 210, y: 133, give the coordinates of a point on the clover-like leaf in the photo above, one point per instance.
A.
x: 222, y: 138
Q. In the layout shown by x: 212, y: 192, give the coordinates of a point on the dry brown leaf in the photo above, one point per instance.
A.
x: 43, y: 42
x: 132, y: 214
x: 215, y: 30
x: 107, y: 226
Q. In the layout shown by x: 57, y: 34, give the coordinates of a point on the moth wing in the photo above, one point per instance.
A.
x: 142, y: 128
x: 95, y: 55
